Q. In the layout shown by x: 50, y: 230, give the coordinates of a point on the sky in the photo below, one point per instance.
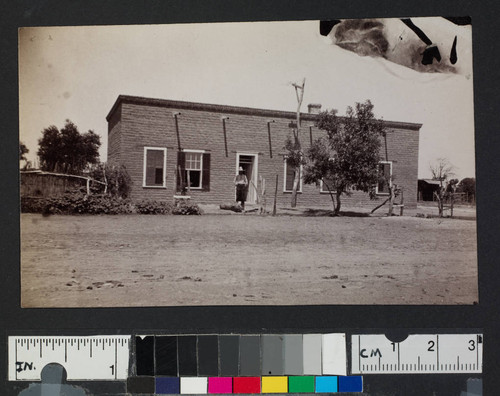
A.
x: 77, y: 73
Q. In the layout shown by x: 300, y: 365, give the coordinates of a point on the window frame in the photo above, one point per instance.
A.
x: 201, y: 152
x: 390, y: 178
x: 285, y: 165
x: 144, y: 170
x: 321, y: 191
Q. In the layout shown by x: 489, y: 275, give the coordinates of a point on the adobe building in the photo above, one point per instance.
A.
x: 167, y: 144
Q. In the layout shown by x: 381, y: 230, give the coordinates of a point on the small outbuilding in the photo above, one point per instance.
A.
x: 168, y: 146
x: 427, y: 188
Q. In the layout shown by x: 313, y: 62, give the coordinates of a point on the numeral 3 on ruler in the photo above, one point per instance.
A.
x: 418, y: 354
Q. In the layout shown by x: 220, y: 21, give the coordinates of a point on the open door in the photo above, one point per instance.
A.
x: 249, y: 164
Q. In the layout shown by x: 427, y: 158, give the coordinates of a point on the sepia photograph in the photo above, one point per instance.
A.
x: 252, y: 163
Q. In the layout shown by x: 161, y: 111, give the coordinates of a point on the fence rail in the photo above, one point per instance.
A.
x: 48, y: 184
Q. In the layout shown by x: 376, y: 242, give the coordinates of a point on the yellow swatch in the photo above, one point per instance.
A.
x: 274, y: 384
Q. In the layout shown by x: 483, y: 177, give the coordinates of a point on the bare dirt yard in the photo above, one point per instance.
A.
x: 242, y: 259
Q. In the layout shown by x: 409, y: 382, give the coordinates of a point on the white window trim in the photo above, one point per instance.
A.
x: 146, y: 148
x: 299, y: 190
x: 390, y: 179
x: 201, y: 167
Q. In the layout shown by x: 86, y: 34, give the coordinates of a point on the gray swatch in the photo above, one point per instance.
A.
x: 272, y: 354
x: 250, y: 355
x: 312, y: 344
x: 229, y: 351
x: 293, y: 355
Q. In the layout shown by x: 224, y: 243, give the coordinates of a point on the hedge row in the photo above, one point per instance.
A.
x: 78, y: 203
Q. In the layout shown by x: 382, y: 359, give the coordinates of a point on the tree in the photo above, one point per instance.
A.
x: 22, y: 151
x: 441, y: 171
x: 348, y: 156
x: 468, y: 186
x: 67, y: 150
x: 116, y: 178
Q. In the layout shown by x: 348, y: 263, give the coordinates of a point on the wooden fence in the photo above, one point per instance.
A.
x: 47, y: 184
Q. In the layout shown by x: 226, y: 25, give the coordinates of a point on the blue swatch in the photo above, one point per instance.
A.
x: 351, y: 384
x: 167, y: 385
x: 326, y: 384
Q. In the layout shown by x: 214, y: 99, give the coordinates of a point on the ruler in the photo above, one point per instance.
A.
x: 84, y: 358
x: 417, y: 354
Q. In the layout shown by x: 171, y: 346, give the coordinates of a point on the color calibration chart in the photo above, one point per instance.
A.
x: 242, y: 364
x: 295, y: 363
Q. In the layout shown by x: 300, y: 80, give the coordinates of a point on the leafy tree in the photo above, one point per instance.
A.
x: 117, y: 180
x: 348, y: 156
x: 23, y: 150
x: 67, y: 150
x: 468, y: 186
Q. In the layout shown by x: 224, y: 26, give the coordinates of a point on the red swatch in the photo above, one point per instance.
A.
x: 246, y: 385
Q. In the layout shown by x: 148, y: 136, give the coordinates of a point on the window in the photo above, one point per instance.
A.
x: 193, y: 169
x: 384, y: 177
x: 325, y: 183
x: 155, y: 160
x: 289, y: 174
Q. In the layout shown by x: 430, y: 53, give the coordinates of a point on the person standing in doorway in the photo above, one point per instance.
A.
x: 241, y: 183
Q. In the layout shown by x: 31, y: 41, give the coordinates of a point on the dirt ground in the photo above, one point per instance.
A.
x: 298, y: 257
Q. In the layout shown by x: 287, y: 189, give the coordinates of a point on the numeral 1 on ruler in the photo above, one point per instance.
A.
x: 84, y: 358
x: 418, y: 354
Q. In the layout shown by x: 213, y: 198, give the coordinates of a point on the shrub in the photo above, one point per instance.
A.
x: 79, y: 203
x: 33, y: 204
x: 187, y: 209
x: 153, y: 207
x: 116, y: 176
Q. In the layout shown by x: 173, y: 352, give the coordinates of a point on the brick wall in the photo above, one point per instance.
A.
x: 139, y: 125
x: 114, y: 138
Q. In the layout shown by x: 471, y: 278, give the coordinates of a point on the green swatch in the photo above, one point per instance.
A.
x: 302, y: 384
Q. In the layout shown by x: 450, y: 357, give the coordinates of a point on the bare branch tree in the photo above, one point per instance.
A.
x: 297, y: 147
x: 442, y: 170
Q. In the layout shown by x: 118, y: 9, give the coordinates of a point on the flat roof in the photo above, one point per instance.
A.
x: 225, y: 109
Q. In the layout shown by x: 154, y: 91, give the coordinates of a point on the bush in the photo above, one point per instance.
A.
x: 153, y: 207
x: 79, y: 203
x: 33, y: 204
x: 187, y: 209
x: 116, y: 176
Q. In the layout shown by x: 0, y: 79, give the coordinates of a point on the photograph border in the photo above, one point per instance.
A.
x: 259, y: 319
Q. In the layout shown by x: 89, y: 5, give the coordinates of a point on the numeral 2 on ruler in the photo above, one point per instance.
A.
x: 419, y: 353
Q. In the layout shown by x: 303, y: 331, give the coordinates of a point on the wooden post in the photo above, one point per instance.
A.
x: 452, y: 199
x: 177, y: 131
x: 88, y: 186
x: 392, y: 191
x: 269, y: 136
x: 225, y: 136
x: 105, y: 180
x: 402, y: 207
x: 275, y: 196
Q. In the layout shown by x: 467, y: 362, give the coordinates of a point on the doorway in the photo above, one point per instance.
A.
x: 249, y: 163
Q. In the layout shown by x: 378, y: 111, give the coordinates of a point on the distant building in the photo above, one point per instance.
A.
x: 426, y: 189
x: 166, y: 144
